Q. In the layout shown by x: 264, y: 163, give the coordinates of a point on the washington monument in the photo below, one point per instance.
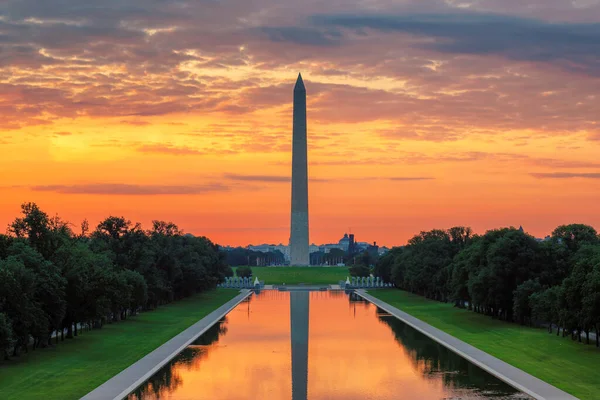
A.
x: 299, y: 225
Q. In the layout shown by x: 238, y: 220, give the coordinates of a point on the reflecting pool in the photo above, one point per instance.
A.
x: 318, y: 345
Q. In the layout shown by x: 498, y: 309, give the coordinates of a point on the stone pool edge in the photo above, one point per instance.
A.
x: 513, y: 376
x: 126, y: 381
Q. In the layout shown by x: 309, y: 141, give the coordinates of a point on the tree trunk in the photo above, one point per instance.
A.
x: 75, y: 329
x: 69, y: 331
x: 587, y: 336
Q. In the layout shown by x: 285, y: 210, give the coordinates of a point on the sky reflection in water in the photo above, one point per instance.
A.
x: 355, y: 351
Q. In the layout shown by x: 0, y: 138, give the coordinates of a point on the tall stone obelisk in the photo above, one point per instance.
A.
x: 299, y: 226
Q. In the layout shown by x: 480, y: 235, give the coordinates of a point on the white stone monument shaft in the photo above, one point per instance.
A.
x: 299, y: 254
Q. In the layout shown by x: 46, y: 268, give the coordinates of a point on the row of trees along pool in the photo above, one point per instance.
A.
x: 507, y: 274
x: 56, y: 281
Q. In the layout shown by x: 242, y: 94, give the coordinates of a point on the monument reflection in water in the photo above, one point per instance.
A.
x: 317, y: 345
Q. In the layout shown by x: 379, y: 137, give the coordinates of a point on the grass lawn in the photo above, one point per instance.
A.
x: 568, y: 365
x: 75, y: 367
x: 297, y: 275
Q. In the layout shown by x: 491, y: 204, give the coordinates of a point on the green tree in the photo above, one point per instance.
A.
x: 591, y: 301
x: 5, y: 242
x: 33, y: 226
x: 574, y: 236
x: 359, y: 270
x: 464, y: 265
x: 49, y: 288
x: 521, y: 300
x: 576, y: 319
x: 383, y: 267
x: 243, y: 271
x: 17, y: 291
x: 6, y: 335
x: 545, y: 306
x: 138, y: 288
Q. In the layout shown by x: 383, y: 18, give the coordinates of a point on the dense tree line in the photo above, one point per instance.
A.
x: 507, y: 274
x: 243, y: 256
x: 360, y: 265
x: 56, y: 281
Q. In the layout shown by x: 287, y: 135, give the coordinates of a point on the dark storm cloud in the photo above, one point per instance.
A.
x: 302, y: 36
x: 125, y: 189
x: 573, y: 46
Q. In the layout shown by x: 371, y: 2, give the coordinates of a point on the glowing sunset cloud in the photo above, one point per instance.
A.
x: 421, y: 114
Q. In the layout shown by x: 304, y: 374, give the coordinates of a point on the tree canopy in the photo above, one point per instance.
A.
x: 53, y: 281
x: 506, y: 274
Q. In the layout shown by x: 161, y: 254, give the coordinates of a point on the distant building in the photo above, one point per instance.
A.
x: 271, y: 248
x: 347, y: 244
x: 313, y: 248
x: 343, y: 244
x: 263, y: 248
x: 351, y: 244
x: 382, y: 250
x: 362, y: 246
x: 326, y: 248
x: 373, y: 249
x: 285, y: 250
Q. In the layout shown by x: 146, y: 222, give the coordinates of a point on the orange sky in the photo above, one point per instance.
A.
x: 421, y: 114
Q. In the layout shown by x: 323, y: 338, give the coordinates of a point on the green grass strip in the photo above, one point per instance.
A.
x: 568, y: 365
x: 75, y: 367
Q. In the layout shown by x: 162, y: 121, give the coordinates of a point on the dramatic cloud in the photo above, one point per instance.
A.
x: 257, y: 178
x: 271, y: 178
x: 135, y: 190
x: 566, y: 175
x: 429, y: 66
x: 301, y: 36
x: 432, y: 91
x: 575, y: 47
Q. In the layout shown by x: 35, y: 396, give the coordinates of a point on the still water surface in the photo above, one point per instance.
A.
x: 317, y: 346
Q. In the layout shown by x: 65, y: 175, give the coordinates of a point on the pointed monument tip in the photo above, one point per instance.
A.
x: 299, y: 82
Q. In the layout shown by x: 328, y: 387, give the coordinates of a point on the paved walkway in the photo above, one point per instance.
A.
x: 300, y: 287
x: 513, y: 376
x: 130, y: 378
